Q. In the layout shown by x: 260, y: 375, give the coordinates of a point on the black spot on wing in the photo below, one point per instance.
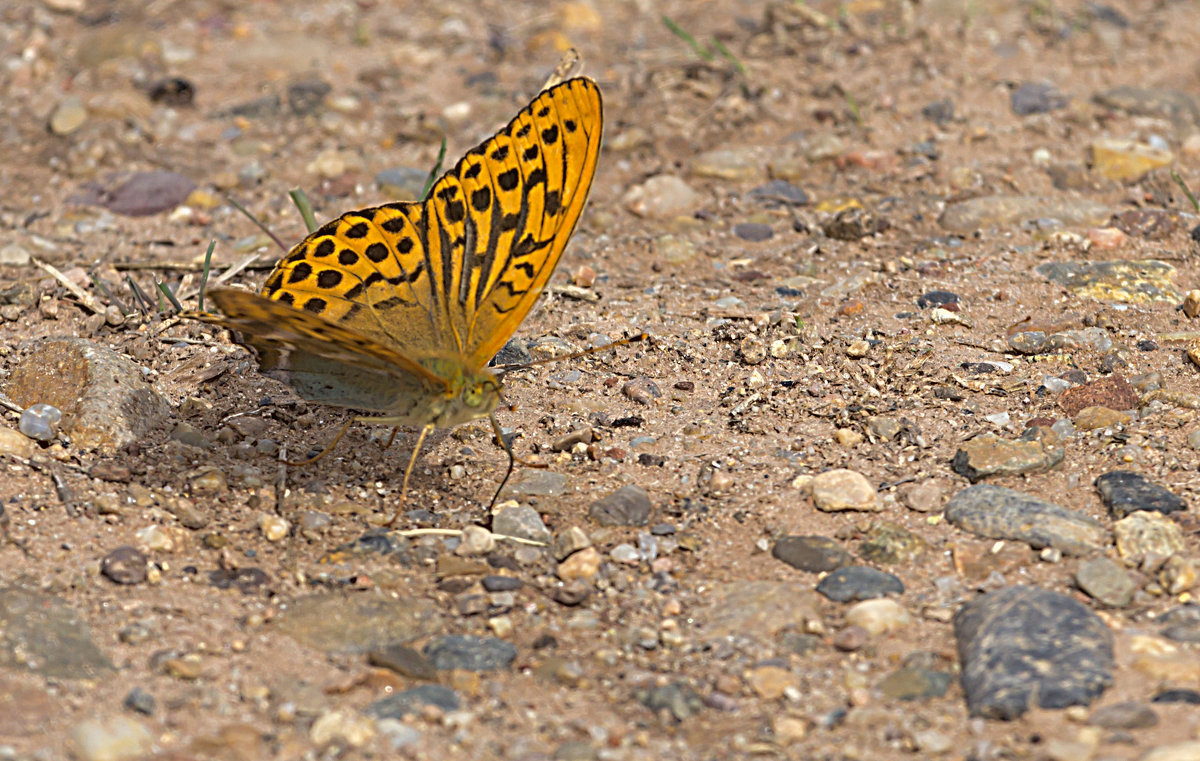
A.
x: 357, y: 231
x: 328, y: 279
x: 376, y: 252
x: 300, y: 272
x: 508, y: 179
x: 316, y: 305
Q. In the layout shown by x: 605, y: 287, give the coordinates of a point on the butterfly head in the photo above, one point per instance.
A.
x: 468, y: 397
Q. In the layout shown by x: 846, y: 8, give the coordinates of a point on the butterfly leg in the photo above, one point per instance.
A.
x: 328, y: 447
x: 412, y: 460
x: 392, y: 438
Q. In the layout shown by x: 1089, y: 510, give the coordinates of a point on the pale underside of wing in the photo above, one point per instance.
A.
x: 327, y: 363
x: 452, y: 278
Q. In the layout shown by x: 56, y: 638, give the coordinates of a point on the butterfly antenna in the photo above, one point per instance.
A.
x: 328, y: 447
x: 512, y: 460
x: 504, y: 369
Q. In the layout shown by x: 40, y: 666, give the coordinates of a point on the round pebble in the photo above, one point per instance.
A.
x: 40, y: 422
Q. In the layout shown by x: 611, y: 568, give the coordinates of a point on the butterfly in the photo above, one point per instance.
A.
x: 396, y: 310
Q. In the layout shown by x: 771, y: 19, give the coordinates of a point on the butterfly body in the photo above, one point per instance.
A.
x: 397, y: 309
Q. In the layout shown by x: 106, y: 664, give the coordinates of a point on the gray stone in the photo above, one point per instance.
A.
x: 521, y: 521
x: 1021, y: 644
x: 470, y: 653
x: 410, y: 701
x: 42, y: 634
x: 856, y: 582
x: 628, y: 506
x: 357, y: 623
x: 1105, y: 581
x: 815, y: 554
x: 1123, y: 492
x: 999, y: 513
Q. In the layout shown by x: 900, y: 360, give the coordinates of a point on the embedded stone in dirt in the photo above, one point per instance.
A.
x: 42, y: 634
x: 842, y: 489
x: 857, y: 582
x: 1022, y: 644
x: 628, y: 506
x: 1113, y: 392
x: 758, y: 609
x: 470, y: 653
x: 999, y: 513
x: 816, y: 554
x: 357, y: 623
x: 104, y: 397
x: 990, y: 455
x: 410, y: 701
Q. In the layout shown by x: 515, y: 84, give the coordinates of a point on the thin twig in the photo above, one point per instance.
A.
x: 234, y: 203
x: 86, y: 299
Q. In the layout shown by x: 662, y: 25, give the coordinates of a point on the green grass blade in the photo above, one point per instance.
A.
x: 729, y: 56
x: 301, y: 200
x: 1186, y: 190
x: 682, y: 34
x: 212, y: 244
x: 234, y: 203
x: 165, y: 291
x: 435, y: 172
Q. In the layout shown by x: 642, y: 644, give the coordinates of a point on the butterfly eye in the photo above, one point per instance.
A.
x: 473, y: 397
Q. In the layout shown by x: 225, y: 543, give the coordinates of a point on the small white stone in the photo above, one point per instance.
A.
x: 273, y: 527
x: 878, y: 616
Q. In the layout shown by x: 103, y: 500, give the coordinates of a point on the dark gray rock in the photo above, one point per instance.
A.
x: 42, y: 634
x: 815, y: 554
x: 628, y: 506
x: 676, y: 698
x: 1022, y: 645
x: 408, y: 702
x: 1182, y: 623
x: 1128, y: 715
x: 455, y: 651
x: 1123, y: 491
x: 858, y: 582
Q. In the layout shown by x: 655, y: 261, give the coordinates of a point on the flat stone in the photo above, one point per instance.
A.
x: 1182, y: 623
x: 757, y: 609
x: 1022, y: 644
x: 996, y: 512
x: 1137, y: 281
x: 1105, y: 581
x: 357, y: 623
x: 735, y: 164
x: 991, y: 455
x: 660, y: 196
x: 532, y: 482
x: 1127, y: 715
x: 117, y: 738
x: 1113, y: 392
x: 915, y: 684
x: 1006, y: 211
x: 405, y: 661
x: 1036, y: 98
x: 104, y: 397
x: 1124, y: 492
x: 137, y: 194
x: 1095, y: 418
x: 857, y: 582
x: 815, y: 554
x: 628, y: 506
x: 879, y: 616
x: 42, y: 634
x: 1166, y: 102
x: 521, y: 521
x: 410, y: 701
x: 1127, y: 160
x: 470, y: 653
x: 1183, y: 751
x: 1142, y: 534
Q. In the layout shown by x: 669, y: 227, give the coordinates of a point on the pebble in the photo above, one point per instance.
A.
x: 140, y: 701
x: 1144, y: 534
x: 475, y: 541
x: 534, y: 482
x: 781, y: 191
x: 1178, y: 574
x: 912, y: 683
x: 1113, y: 392
x: 1036, y: 98
x: 856, y: 582
x: 758, y: 609
x: 569, y: 541
x: 1021, y: 644
x: 359, y: 623
x: 405, y: 661
x: 125, y: 565
x: 116, y: 738
x: 1096, y: 418
x: 1123, y: 492
x: 1126, y: 715
x: 851, y: 638
x: 880, y: 616
x: 1185, y: 696
x: 815, y: 554
x: 273, y: 527
x: 411, y: 701
x: 346, y: 728
x: 891, y: 543
x: 626, y: 554
x: 997, y: 512
x: 676, y: 699
x: 1182, y: 751
x: 573, y: 593
x: 733, y: 164
x: 755, y: 232
x: 990, y: 455
x: 15, y: 443
x: 470, y: 653
x: 1139, y: 281
x: 584, y: 564
x: 641, y: 390
x: 1105, y: 581
x: 924, y: 497
x: 1127, y: 160
x: 521, y: 521
x: 840, y: 489
x: 1003, y: 211
x: 628, y: 506
x: 661, y: 196
x: 40, y: 422
x: 68, y: 116
x: 769, y: 681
